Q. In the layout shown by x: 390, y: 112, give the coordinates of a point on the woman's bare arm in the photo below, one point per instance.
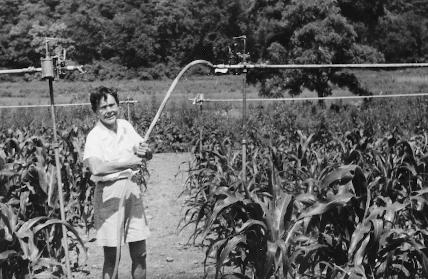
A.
x: 99, y: 167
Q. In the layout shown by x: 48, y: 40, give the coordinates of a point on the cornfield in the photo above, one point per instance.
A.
x: 30, y: 217
x: 314, y: 206
x: 317, y: 202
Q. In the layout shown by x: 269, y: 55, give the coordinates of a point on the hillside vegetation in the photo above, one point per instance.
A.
x: 154, y: 39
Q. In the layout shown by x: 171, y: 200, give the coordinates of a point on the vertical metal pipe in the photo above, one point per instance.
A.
x: 59, y: 180
x: 244, y: 131
x: 201, y: 127
x: 244, y: 64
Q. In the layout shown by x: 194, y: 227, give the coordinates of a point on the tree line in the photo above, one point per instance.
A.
x: 154, y: 38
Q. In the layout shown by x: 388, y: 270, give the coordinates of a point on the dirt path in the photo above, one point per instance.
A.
x: 168, y: 256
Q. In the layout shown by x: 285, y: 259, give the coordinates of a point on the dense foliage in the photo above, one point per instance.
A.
x: 309, y: 176
x: 152, y: 38
x: 312, y: 32
x: 353, y: 208
x: 30, y: 225
x: 346, y: 203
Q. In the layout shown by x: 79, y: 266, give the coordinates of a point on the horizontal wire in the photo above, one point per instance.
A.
x: 196, y: 100
x: 240, y: 100
x: 59, y: 105
x: 321, y: 66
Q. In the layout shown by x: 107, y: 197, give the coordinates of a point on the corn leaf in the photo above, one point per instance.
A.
x: 361, y: 252
x: 52, y: 185
x: 272, y: 259
x: 249, y: 224
x: 283, y: 212
x: 2, y: 159
x: 322, y: 207
x: 26, y: 229
x: 9, y: 220
x: 377, y: 229
x: 219, y: 207
x: 424, y: 263
x: 357, y: 237
x: 60, y: 222
x: 342, y: 175
x: 419, y: 193
x: 230, y: 246
x: 23, y: 201
x: 213, y: 248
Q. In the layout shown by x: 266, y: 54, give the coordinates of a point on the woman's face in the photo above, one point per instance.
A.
x: 107, y: 111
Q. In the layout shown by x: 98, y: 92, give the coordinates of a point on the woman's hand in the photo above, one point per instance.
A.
x: 143, y: 150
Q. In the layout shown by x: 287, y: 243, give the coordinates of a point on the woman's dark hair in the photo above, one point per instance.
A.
x: 101, y: 92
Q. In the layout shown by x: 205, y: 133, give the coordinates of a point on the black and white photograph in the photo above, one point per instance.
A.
x: 222, y: 139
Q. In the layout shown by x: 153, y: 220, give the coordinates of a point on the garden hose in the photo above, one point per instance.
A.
x: 121, y: 211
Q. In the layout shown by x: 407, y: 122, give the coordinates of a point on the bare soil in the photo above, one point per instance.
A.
x: 168, y: 253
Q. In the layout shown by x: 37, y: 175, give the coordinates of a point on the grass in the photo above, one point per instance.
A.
x: 395, y: 82
x: 149, y: 94
x: 36, y: 92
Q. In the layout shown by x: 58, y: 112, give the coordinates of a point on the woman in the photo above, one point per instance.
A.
x: 114, y: 152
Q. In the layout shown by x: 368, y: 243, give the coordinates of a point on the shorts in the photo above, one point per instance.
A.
x: 106, y: 213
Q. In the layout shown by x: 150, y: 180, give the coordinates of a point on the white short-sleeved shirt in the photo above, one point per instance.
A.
x: 104, y: 144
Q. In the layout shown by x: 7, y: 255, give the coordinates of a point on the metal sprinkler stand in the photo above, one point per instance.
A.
x: 48, y: 72
x: 244, y: 56
x: 52, y: 66
x: 244, y: 66
x: 199, y: 101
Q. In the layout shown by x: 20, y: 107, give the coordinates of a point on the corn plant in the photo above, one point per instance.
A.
x: 32, y: 247
x: 241, y: 226
x: 354, y: 208
x: 29, y: 205
x: 76, y: 178
x: 374, y: 232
